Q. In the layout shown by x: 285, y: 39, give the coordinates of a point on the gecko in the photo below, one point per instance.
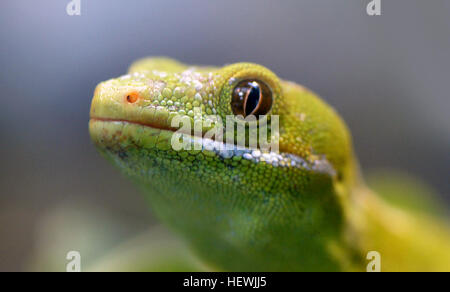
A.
x: 301, y: 206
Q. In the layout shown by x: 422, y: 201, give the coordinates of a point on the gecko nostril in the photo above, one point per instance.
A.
x: 132, y: 97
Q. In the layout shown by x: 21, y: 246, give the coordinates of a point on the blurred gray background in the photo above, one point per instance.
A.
x: 387, y: 75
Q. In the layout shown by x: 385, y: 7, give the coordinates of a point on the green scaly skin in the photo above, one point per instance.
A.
x: 306, y: 210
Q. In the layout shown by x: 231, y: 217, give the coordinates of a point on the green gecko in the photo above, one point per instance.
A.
x: 303, y: 208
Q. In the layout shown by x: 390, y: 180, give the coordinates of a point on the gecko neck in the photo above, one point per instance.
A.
x: 405, y: 242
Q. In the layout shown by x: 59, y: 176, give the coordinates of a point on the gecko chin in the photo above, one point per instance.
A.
x: 198, y: 191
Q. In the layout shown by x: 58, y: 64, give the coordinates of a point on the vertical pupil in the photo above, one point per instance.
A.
x: 253, y: 98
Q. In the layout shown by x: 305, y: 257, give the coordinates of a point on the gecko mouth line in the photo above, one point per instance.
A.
x: 228, y: 151
x: 196, y: 134
x: 153, y: 126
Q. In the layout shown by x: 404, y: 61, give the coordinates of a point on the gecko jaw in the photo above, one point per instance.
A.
x: 100, y: 127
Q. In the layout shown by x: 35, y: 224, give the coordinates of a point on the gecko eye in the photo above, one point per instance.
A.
x: 251, y: 97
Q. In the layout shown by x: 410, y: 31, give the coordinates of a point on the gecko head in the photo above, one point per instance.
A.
x: 226, y: 151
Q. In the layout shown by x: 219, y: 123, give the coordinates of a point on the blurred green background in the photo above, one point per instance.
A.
x: 387, y: 75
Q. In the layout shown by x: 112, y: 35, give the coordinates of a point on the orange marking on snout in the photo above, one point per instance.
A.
x: 132, y: 96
